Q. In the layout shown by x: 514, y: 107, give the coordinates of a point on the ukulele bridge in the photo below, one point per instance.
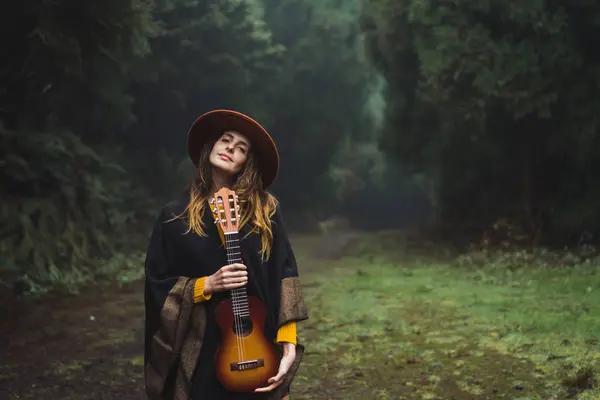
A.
x: 246, y: 365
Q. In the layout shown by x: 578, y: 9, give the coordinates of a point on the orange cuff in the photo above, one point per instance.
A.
x: 199, y: 295
x: 287, y: 333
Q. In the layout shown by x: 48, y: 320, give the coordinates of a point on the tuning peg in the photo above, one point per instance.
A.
x: 215, y: 209
x: 216, y: 221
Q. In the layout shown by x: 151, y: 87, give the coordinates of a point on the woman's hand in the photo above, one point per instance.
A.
x: 289, y: 355
x: 228, y: 277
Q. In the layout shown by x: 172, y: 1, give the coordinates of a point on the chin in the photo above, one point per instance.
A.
x: 224, y: 166
x: 218, y: 163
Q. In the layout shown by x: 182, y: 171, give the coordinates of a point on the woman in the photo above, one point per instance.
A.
x: 187, y: 272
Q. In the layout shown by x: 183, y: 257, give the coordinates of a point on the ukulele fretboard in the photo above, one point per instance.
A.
x: 239, y: 296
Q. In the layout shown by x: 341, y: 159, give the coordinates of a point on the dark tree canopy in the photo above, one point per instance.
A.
x: 484, y: 110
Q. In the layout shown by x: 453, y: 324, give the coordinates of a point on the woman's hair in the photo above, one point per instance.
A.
x: 257, y: 206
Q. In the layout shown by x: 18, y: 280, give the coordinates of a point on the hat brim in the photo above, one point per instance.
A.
x: 211, y: 125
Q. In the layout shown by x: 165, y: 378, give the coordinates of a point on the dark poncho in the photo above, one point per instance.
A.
x: 180, y: 334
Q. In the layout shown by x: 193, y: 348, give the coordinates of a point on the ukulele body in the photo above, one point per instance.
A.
x: 245, y: 359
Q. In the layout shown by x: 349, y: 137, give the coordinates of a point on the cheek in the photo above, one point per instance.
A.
x: 240, y: 160
x: 213, y: 152
x: 216, y: 149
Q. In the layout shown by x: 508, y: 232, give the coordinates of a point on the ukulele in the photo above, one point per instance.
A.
x: 245, y: 359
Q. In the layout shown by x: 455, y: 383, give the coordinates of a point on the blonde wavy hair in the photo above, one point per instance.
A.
x: 257, y: 206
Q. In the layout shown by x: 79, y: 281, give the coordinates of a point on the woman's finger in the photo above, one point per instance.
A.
x: 235, y: 274
x: 234, y: 285
x: 235, y: 280
x: 284, y: 367
x: 282, y: 371
x: 270, y: 387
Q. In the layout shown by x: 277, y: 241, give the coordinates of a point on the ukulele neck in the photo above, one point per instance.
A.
x: 239, y: 296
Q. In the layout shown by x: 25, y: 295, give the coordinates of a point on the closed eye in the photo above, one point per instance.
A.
x: 241, y: 145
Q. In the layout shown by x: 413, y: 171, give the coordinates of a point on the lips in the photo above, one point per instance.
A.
x: 225, y: 157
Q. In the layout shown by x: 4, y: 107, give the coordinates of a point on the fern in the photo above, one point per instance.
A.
x: 65, y: 207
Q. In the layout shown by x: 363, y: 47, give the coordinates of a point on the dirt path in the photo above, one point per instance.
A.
x: 85, y: 347
x: 89, y: 346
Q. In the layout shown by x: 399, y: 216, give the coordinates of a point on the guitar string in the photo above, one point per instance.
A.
x: 236, y: 323
x: 237, y: 319
x: 237, y: 306
x: 239, y: 297
x: 236, y: 297
x: 240, y: 291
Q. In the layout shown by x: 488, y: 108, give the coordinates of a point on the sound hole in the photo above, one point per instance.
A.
x: 242, y: 326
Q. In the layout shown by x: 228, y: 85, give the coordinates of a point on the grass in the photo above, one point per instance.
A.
x: 383, y: 325
x: 430, y: 330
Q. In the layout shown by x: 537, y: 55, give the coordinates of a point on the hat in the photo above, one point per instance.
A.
x: 211, y: 125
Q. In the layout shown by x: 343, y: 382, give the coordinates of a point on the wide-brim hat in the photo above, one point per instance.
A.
x: 211, y: 125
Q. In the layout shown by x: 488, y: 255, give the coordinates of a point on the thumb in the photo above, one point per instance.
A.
x: 282, y: 370
x: 277, y: 377
x: 286, y: 362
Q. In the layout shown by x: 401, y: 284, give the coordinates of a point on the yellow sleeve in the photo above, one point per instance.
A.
x: 199, y: 295
x: 287, y: 333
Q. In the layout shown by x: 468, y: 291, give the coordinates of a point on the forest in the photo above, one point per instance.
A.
x: 437, y: 162
x: 451, y: 116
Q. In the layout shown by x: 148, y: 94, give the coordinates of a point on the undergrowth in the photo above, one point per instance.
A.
x: 69, y: 213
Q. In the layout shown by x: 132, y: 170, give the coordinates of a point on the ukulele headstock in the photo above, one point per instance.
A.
x: 225, y: 205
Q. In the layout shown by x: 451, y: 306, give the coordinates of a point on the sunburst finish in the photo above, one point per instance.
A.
x: 250, y: 345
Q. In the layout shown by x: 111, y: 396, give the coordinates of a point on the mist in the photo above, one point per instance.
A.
x: 456, y: 127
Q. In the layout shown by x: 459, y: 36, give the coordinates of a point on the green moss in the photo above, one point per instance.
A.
x: 433, y: 330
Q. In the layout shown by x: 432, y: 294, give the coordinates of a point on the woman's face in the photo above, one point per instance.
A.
x: 230, y: 152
